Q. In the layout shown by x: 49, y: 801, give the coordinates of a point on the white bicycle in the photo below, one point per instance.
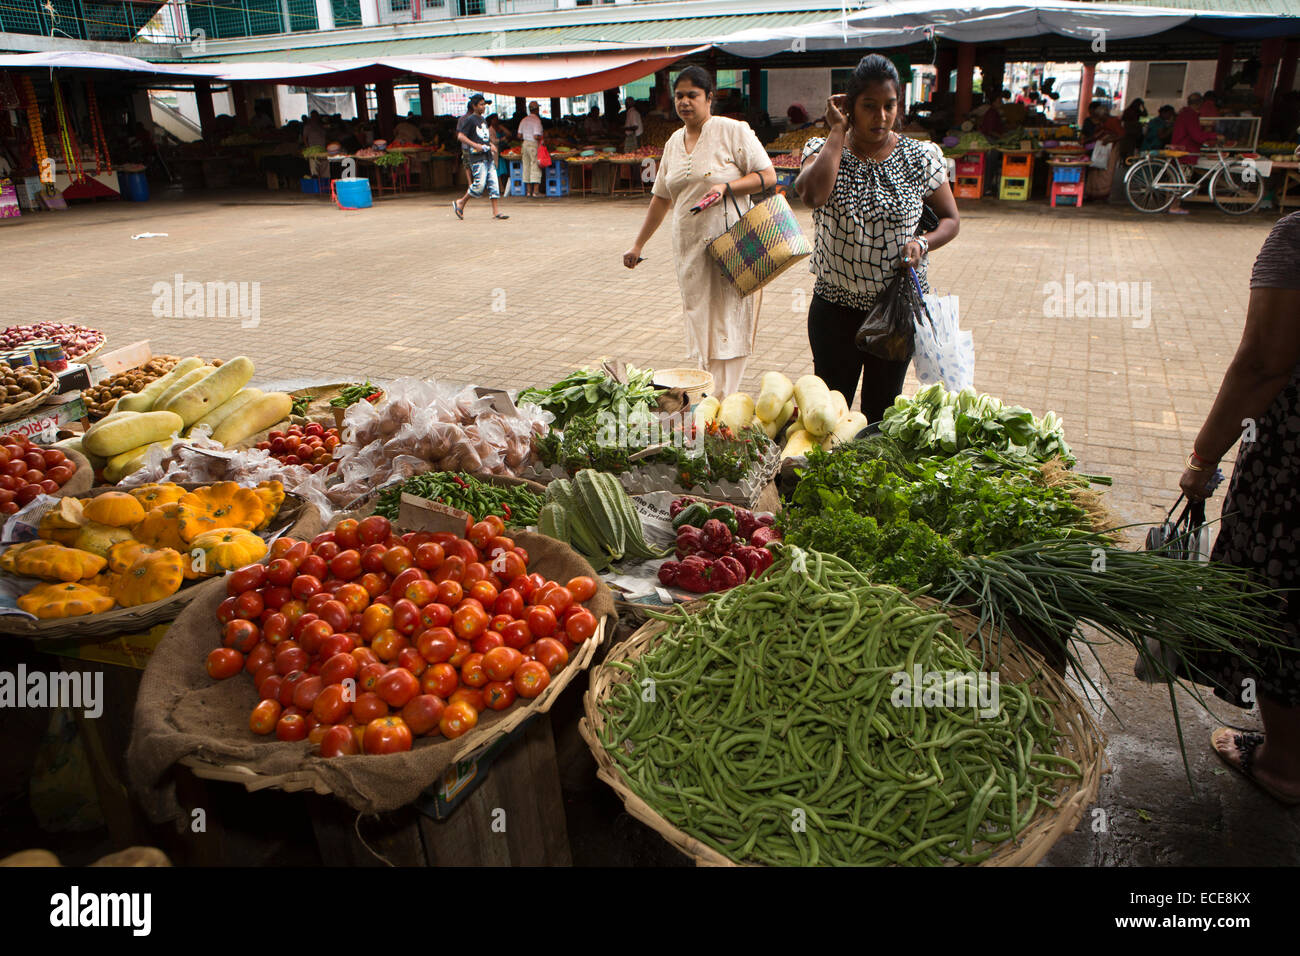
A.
x: 1153, y: 182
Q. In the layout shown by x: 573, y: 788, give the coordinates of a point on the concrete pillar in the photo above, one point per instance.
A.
x: 426, y: 97
x: 239, y: 101
x: 1089, y: 74
x: 521, y: 106
x: 359, y: 94
x: 1270, y: 55
x: 612, y: 105
x: 387, y: 108
x: 555, y: 108
x: 663, y: 92
x: 1223, y: 68
x: 755, y: 90
x: 203, y: 99
x: 324, y: 15
x: 1286, y: 74
x: 965, y: 78
x: 369, y: 13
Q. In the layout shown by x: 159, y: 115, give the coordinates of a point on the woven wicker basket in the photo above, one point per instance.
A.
x: 1081, y: 740
x: 19, y: 409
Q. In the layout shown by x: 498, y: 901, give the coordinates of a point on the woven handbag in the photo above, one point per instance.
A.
x: 760, y: 245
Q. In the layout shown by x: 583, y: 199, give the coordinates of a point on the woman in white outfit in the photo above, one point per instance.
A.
x: 699, y: 159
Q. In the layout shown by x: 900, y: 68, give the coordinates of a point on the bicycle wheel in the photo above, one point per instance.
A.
x: 1237, y: 189
x: 1142, y: 186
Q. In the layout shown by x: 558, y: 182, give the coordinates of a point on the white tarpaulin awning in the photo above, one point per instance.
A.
x: 85, y: 60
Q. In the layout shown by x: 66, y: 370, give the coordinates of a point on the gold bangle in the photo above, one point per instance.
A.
x: 1192, y: 466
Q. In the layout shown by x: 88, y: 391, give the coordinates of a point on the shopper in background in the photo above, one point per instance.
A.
x: 479, y: 157
x: 1159, y: 129
x: 1210, y: 104
x: 991, y: 124
x: 632, y: 127
x: 707, y: 153
x: 407, y: 130
x: 1191, y: 136
x: 1260, y: 529
x: 1101, y: 129
x: 499, y: 133
x: 867, y: 186
x: 595, y: 123
x: 530, y: 131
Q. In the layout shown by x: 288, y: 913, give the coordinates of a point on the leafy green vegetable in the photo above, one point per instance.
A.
x: 588, y: 390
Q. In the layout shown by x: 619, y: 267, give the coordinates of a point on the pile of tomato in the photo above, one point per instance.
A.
x: 311, y: 446
x: 362, y: 640
x: 27, y: 471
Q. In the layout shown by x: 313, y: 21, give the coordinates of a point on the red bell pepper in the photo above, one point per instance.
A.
x: 727, y: 573
x: 717, y: 537
x: 689, y: 541
x: 694, y: 575
x: 668, y: 572
x: 764, y: 536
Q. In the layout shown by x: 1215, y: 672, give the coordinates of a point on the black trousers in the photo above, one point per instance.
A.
x: 839, y: 363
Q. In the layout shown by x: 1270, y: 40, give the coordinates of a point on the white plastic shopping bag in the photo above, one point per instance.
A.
x: 944, y: 353
x: 1100, y: 156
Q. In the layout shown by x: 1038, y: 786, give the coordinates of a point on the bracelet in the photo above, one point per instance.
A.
x: 1192, y: 466
x: 1202, y: 459
x: 924, y: 243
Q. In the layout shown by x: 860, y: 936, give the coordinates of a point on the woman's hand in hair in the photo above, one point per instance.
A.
x: 837, y: 113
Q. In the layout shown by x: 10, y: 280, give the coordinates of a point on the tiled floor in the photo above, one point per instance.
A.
x: 405, y: 289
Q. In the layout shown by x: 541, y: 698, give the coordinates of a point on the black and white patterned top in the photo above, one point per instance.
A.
x: 872, y: 211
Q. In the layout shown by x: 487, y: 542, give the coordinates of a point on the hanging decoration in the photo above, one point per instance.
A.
x: 67, y: 137
x: 103, y: 161
x: 44, y: 167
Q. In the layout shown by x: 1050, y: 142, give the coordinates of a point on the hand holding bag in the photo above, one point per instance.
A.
x: 543, y: 155
x: 763, y: 243
x: 888, y: 330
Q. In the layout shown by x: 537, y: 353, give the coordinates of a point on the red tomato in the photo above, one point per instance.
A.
x: 248, y: 578
x: 464, y: 550
x: 224, y: 662
x: 501, y: 663
x: 541, y: 620
x: 249, y: 605
x: 60, y: 474
x: 335, y: 614
x: 472, y: 672
x: 406, y: 616
x: 403, y: 579
x: 524, y: 584
x: 386, y: 735
x: 264, y: 717
x: 319, y: 600
x: 320, y: 539
x: 338, y: 668
x: 331, y: 703
x: 15, y: 467
x: 580, y: 626
x: 353, y: 597
x: 397, y: 687
x: 53, y: 457
x: 341, y: 643
x: 551, y: 654
x: 499, y: 621
x: 480, y: 534
x: 327, y: 551
x: 497, y: 522
x: 498, y: 545
x: 429, y: 556
x: 346, y: 565
x: 305, y: 694
x: 314, y: 565
x: 259, y: 657
x: 281, y: 571
x: 436, y: 644
x: 452, y: 569
x: 411, y: 659
x: 339, y: 741
x: 368, y: 706
x: 298, y: 552
x: 345, y: 533
x: 463, y: 650
x: 374, y: 619
x: 498, y: 695
x: 288, y: 684
x: 228, y: 610
x: 25, y: 495
x: 435, y: 615
x: 289, y: 657
x: 304, y: 586
x: 469, y: 621
x: 508, y: 566
x: 457, y: 719
x: 450, y: 593
x: 470, y: 695
x: 35, y: 460
x: 517, y: 634
x: 420, y: 592
x: 312, y: 634
x: 241, y: 635
x: 484, y: 592
x: 440, y: 679
x: 369, y: 674
x: 531, y: 679
x: 374, y: 530
x: 397, y: 559
x: 582, y: 588
x: 486, y: 641
x: 291, y: 727
x: 558, y: 599
x: 388, y: 644
x: 423, y: 712
x: 372, y: 558
x: 365, y: 655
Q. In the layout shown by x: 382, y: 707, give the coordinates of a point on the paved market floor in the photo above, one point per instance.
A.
x: 1122, y: 323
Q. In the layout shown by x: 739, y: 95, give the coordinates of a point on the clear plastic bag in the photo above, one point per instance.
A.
x: 944, y: 352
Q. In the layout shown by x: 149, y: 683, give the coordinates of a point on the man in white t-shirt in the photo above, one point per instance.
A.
x: 530, y: 131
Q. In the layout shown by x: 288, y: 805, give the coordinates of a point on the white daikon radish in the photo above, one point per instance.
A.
x: 776, y: 391
x: 800, y: 443
x: 846, y: 430
x: 816, y: 407
x: 707, y: 411
x: 737, y: 412
x: 841, y: 405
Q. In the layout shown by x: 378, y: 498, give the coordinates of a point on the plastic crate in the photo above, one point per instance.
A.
x: 1067, y: 194
x: 972, y: 164
x: 969, y: 187
x: 1017, y: 165
x: 1014, y: 188
x: 1067, y: 174
x: 556, y: 173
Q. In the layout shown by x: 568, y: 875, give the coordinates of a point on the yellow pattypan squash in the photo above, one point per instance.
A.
x: 153, y: 575
x: 161, y: 528
x: 116, y: 509
x: 155, y: 496
x: 123, y: 554
x: 223, y: 505
x: 98, y: 538
x: 63, y: 600
x: 225, y: 549
x: 54, y: 562
x: 271, y: 494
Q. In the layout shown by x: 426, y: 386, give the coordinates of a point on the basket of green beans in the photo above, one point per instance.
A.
x: 769, y: 726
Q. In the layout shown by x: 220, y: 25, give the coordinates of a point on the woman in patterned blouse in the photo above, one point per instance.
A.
x: 867, y: 185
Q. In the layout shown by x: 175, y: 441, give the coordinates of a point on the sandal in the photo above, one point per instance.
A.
x: 460, y: 213
x: 500, y: 215
x: 1179, y: 212
x: 1246, y: 744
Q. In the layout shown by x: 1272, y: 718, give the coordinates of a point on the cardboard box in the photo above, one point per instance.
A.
x: 58, y: 413
x: 125, y: 650
x: 74, y: 378
x: 462, y: 777
x: 119, y: 360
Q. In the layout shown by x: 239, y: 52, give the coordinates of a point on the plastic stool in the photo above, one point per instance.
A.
x: 1071, y: 192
